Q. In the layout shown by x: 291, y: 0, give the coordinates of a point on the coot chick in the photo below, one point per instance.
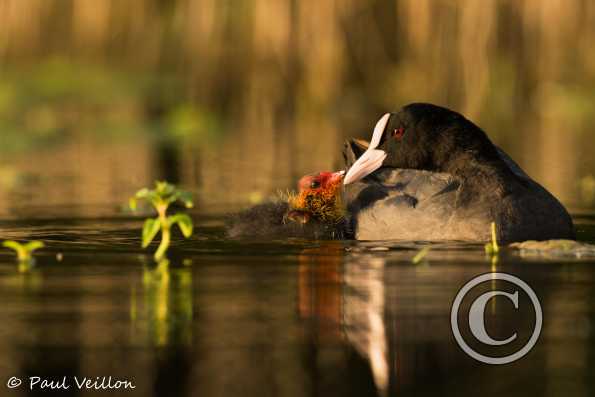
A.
x: 315, y: 212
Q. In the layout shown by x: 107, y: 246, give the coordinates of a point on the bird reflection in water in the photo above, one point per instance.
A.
x: 364, y: 314
x: 344, y: 299
x: 320, y: 283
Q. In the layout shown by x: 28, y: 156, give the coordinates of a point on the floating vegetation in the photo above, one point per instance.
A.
x: 161, y: 198
x: 555, y: 249
x: 421, y: 255
x: 24, y: 251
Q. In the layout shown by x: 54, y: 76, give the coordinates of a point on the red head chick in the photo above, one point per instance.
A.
x: 318, y: 197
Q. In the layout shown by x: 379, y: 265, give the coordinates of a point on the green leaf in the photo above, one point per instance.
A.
x: 168, y: 199
x: 150, y: 230
x: 420, y: 255
x: 12, y: 245
x: 143, y: 193
x: 163, y: 188
x: 34, y: 245
x: 161, y: 197
x: 184, y: 223
x: 23, y: 251
x: 186, y: 198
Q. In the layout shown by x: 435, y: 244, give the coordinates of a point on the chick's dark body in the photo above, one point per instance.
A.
x: 269, y: 220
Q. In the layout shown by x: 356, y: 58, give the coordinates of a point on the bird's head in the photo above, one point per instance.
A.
x: 319, y: 197
x: 425, y: 137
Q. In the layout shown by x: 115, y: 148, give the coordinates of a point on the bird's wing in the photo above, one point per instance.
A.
x: 403, y: 204
x: 512, y: 165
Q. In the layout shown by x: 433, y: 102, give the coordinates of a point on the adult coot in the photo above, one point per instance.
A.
x: 428, y: 173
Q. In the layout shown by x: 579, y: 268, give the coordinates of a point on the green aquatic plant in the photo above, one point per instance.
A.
x: 492, y: 248
x: 24, y: 251
x: 161, y: 198
x: 421, y: 254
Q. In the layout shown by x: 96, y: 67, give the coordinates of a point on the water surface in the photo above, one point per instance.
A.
x: 278, y: 318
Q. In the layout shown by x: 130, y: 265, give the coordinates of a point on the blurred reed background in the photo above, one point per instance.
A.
x: 235, y: 98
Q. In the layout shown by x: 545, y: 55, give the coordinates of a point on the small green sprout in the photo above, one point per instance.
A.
x: 421, y: 254
x: 493, y: 248
x: 24, y: 251
x: 161, y: 198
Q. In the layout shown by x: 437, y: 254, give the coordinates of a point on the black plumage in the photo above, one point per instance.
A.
x: 458, y: 182
x: 270, y: 220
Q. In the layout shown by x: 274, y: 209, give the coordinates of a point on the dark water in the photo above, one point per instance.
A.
x: 279, y: 318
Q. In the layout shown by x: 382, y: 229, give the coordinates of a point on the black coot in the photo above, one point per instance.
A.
x: 430, y: 174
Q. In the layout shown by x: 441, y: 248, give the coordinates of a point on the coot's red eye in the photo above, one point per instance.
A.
x: 398, y: 133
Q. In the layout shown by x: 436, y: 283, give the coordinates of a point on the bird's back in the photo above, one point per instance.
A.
x: 418, y: 205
